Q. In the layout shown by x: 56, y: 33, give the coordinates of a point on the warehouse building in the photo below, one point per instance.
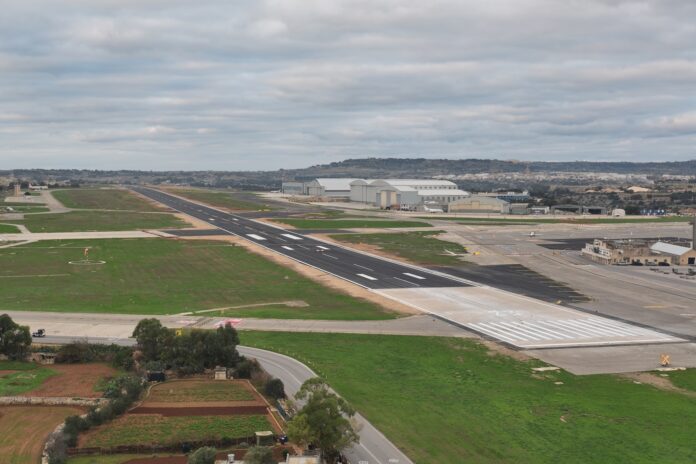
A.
x: 334, y: 187
x: 408, y: 194
x: 479, y: 204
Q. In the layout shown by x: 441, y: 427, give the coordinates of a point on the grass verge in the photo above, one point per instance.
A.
x: 160, y: 276
x: 350, y: 223
x: 8, y: 229
x: 418, y: 247
x: 448, y: 401
x: 144, y: 429
x: 86, y: 221
x: 113, y: 199
x: 684, y: 379
x: 224, y: 199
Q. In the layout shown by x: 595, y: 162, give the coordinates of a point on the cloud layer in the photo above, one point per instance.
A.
x: 264, y: 84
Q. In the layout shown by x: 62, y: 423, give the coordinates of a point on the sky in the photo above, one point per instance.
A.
x: 269, y: 84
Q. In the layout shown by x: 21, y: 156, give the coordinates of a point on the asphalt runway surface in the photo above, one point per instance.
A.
x: 361, y: 269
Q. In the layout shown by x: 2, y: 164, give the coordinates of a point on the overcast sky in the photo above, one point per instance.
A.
x: 205, y: 84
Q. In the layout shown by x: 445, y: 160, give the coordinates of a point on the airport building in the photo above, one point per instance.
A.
x: 480, y: 204
x: 335, y: 187
x: 407, y: 194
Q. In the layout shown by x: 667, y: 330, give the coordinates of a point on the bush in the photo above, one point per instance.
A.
x: 246, y: 368
x: 205, y: 455
x: 259, y: 455
x: 275, y: 389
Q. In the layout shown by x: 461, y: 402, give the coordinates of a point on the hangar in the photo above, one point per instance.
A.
x: 405, y: 193
x: 479, y: 204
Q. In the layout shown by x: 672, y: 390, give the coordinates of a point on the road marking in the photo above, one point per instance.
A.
x: 294, y: 237
x: 323, y: 247
x: 255, y: 237
x: 330, y: 256
x: 407, y: 281
x: 364, y: 267
x: 235, y: 219
x: 288, y: 248
x: 365, y: 276
x: 414, y: 276
x: 211, y: 219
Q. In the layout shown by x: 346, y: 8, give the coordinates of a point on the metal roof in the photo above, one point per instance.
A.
x: 442, y: 192
x: 336, y: 183
x: 418, y: 182
x: 668, y: 248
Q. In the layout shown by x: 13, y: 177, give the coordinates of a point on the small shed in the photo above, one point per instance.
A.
x: 220, y: 373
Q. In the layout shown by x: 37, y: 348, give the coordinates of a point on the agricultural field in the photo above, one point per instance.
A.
x: 418, y: 247
x: 224, y: 199
x: 110, y: 199
x: 23, y: 430
x: 350, y: 223
x: 21, y: 377
x: 448, y: 401
x: 74, y: 380
x: 160, y: 276
x: 192, y: 391
x: 87, y: 221
x: 8, y: 229
x: 145, y: 429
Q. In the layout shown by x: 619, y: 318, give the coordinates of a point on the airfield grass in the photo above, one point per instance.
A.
x: 87, y: 221
x: 565, y: 220
x: 111, y: 199
x: 8, y: 229
x: 450, y: 400
x: 23, y: 208
x: 418, y: 247
x: 350, y: 223
x: 222, y: 199
x: 684, y: 379
x: 28, y: 377
x: 160, y: 276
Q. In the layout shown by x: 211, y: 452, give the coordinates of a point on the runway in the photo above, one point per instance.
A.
x: 361, y: 269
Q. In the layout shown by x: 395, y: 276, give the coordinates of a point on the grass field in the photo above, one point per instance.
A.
x: 29, y: 377
x: 684, y: 379
x: 564, y: 220
x: 159, y: 276
x: 8, y: 229
x: 22, y: 208
x: 84, y: 221
x: 23, y: 430
x: 223, y: 199
x: 418, y: 247
x: 144, y: 429
x: 194, y: 391
x: 350, y: 223
x: 113, y: 199
x: 450, y: 401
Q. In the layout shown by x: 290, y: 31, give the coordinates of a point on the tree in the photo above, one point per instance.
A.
x: 259, y: 455
x: 15, y: 339
x: 205, y: 455
x: 275, y: 389
x: 324, y: 419
x: 152, y: 336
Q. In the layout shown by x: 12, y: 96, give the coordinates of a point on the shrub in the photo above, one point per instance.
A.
x: 275, y: 389
x: 246, y: 368
x: 205, y: 455
x: 259, y: 455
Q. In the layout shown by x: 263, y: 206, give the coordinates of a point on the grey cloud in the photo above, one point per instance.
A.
x: 286, y: 83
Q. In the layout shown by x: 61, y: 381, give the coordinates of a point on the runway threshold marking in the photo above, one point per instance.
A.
x: 414, y: 276
x: 368, y: 277
x: 288, y: 248
x: 294, y: 237
x: 255, y: 237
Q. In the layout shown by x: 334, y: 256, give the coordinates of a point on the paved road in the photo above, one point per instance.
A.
x: 373, y: 448
x: 361, y: 269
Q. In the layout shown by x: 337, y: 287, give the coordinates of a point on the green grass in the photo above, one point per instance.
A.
x: 8, y: 229
x: 450, y: 401
x: 160, y: 276
x: 223, y: 199
x: 350, y: 223
x: 684, y: 379
x: 195, y: 391
x: 555, y: 220
x: 17, y: 366
x: 113, y: 199
x: 418, y: 247
x: 137, y: 429
x: 84, y: 221
x: 29, y: 377
x: 27, y: 209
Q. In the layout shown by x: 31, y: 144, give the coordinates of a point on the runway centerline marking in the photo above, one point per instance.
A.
x: 363, y: 267
x: 294, y: 237
x: 414, y: 276
x: 255, y: 237
x: 330, y: 256
x: 368, y: 277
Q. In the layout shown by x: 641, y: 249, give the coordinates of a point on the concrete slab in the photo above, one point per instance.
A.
x: 523, y: 322
x: 617, y: 359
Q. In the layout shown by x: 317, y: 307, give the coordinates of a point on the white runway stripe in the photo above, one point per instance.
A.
x: 368, y: 277
x: 287, y: 248
x: 294, y: 237
x: 414, y: 276
x: 255, y: 237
